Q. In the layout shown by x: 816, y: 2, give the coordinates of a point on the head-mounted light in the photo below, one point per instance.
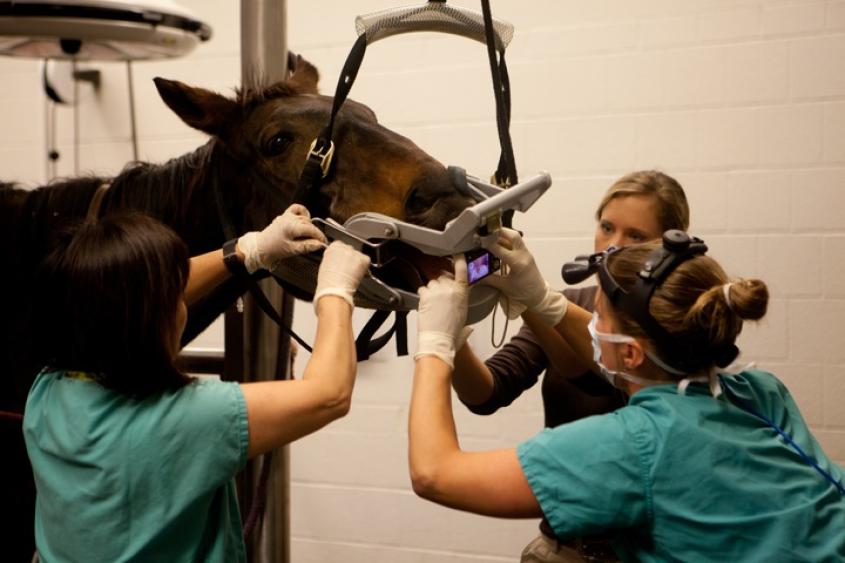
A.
x: 677, y: 247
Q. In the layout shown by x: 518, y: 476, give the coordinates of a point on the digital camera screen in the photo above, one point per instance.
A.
x: 478, y: 268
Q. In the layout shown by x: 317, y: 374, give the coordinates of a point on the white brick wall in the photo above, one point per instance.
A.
x: 742, y: 100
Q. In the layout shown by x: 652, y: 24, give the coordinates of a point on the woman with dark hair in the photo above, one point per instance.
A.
x: 700, y: 464
x: 636, y: 208
x: 133, y: 459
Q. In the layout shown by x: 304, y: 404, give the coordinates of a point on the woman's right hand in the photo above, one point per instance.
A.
x: 290, y: 234
x: 443, y: 314
x: 522, y: 281
x: 341, y: 271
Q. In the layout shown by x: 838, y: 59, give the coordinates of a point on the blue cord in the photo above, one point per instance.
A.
x: 810, y: 461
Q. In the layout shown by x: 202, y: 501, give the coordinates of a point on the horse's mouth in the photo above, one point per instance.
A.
x: 412, y: 269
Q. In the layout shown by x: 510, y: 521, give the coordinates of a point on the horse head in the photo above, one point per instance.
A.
x: 268, y: 133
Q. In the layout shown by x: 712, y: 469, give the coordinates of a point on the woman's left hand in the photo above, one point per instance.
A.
x: 443, y: 313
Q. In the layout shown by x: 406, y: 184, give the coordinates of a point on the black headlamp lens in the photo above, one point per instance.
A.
x: 584, y: 266
x: 576, y: 272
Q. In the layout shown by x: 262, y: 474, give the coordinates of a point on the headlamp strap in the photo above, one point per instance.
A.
x: 677, y: 248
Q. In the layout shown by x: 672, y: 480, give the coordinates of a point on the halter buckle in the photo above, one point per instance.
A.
x: 325, y: 154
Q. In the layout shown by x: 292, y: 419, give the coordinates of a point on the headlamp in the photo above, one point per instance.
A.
x: 677, y: 247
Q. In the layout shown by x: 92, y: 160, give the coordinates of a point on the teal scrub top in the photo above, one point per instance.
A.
x: 123, y: 479
x: 692, y: 478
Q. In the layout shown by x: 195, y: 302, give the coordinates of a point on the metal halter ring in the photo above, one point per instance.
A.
x: 324, y: 154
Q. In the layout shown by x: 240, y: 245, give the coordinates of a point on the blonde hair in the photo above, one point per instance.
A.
x: 672, y: 207
x: 691, y: 304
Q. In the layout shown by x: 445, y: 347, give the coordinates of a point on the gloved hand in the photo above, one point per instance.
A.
x: 462, y: 338
x: 341, y: 271
x: 290, y: 234
x: 522, y: 283
x: 443, y: 314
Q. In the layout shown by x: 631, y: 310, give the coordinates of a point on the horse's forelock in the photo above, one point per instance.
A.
x: 249, y: 97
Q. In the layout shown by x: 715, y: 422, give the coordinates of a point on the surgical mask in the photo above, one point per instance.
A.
x: 613, y: 376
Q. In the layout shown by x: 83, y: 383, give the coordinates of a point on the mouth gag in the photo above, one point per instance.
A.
x: 384, y: 238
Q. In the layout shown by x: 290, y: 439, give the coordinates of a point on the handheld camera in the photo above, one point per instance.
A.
x: 480, y: 264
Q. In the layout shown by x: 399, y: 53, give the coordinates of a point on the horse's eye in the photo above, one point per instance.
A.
x: 277, y: 144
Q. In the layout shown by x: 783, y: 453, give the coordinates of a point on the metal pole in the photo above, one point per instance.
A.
x: 266, y: 349
x: 133, y: 127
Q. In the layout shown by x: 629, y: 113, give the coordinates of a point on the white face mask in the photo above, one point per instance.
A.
x: 614, y: 376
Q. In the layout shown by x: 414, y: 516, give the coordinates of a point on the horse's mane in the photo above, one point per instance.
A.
x: 161, y: 190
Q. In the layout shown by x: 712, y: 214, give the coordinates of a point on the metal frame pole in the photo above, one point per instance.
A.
x: 265, y: 349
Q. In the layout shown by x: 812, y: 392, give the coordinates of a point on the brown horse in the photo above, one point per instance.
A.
x: 259, y: 141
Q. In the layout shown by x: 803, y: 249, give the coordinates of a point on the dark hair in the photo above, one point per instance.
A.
x: 692, y: 303
x: 111, y: 290
x: 672, y: 207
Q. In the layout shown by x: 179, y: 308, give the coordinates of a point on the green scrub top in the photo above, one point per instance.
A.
x: 692, y: 478
x: 123, y: 479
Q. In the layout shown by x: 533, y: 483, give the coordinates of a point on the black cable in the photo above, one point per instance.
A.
x: 502, y: 106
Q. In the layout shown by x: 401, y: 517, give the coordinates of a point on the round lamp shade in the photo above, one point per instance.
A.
x: 108, y: 30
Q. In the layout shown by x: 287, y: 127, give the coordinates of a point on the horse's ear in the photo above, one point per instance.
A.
x: 304, y: 76
x: 201, y: 109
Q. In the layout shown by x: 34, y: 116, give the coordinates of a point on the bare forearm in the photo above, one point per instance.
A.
x: 432, y: 437
x: 333, y: 363
x: 280, y: 412
x: 207, y: 272
x: 472, y: 380
x: 489, y: 483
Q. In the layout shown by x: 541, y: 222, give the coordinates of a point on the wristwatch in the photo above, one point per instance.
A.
x: 231, y: 259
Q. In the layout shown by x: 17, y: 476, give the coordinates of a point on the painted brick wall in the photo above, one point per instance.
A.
x: 743, y: 101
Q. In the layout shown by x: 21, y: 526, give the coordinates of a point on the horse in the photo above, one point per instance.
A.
x: 259, y: 140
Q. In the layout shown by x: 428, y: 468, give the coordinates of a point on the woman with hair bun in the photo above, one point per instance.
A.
x: 701, y: 463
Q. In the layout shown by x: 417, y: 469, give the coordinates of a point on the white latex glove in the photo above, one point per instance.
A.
x: 341, y: 271
x: 443, y: 314
x: 290, y: 234
x: 522, y: 282
x: 462, y: 338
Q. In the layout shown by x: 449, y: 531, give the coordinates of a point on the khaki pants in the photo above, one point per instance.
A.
x: 543, y: 549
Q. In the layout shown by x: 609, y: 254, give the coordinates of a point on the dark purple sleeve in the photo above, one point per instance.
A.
x: 515, y: 368
x: 519, y: 363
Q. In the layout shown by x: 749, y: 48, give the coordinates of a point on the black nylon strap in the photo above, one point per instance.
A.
x: 252, y: 285
x: 309, y: 183
x: 310, y: 180
x: 346, y: 79
x: 366, y: 345
x: 401, y: 326
x: 505, y: 175
x: 270, y: 311
x: 364, y: 341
